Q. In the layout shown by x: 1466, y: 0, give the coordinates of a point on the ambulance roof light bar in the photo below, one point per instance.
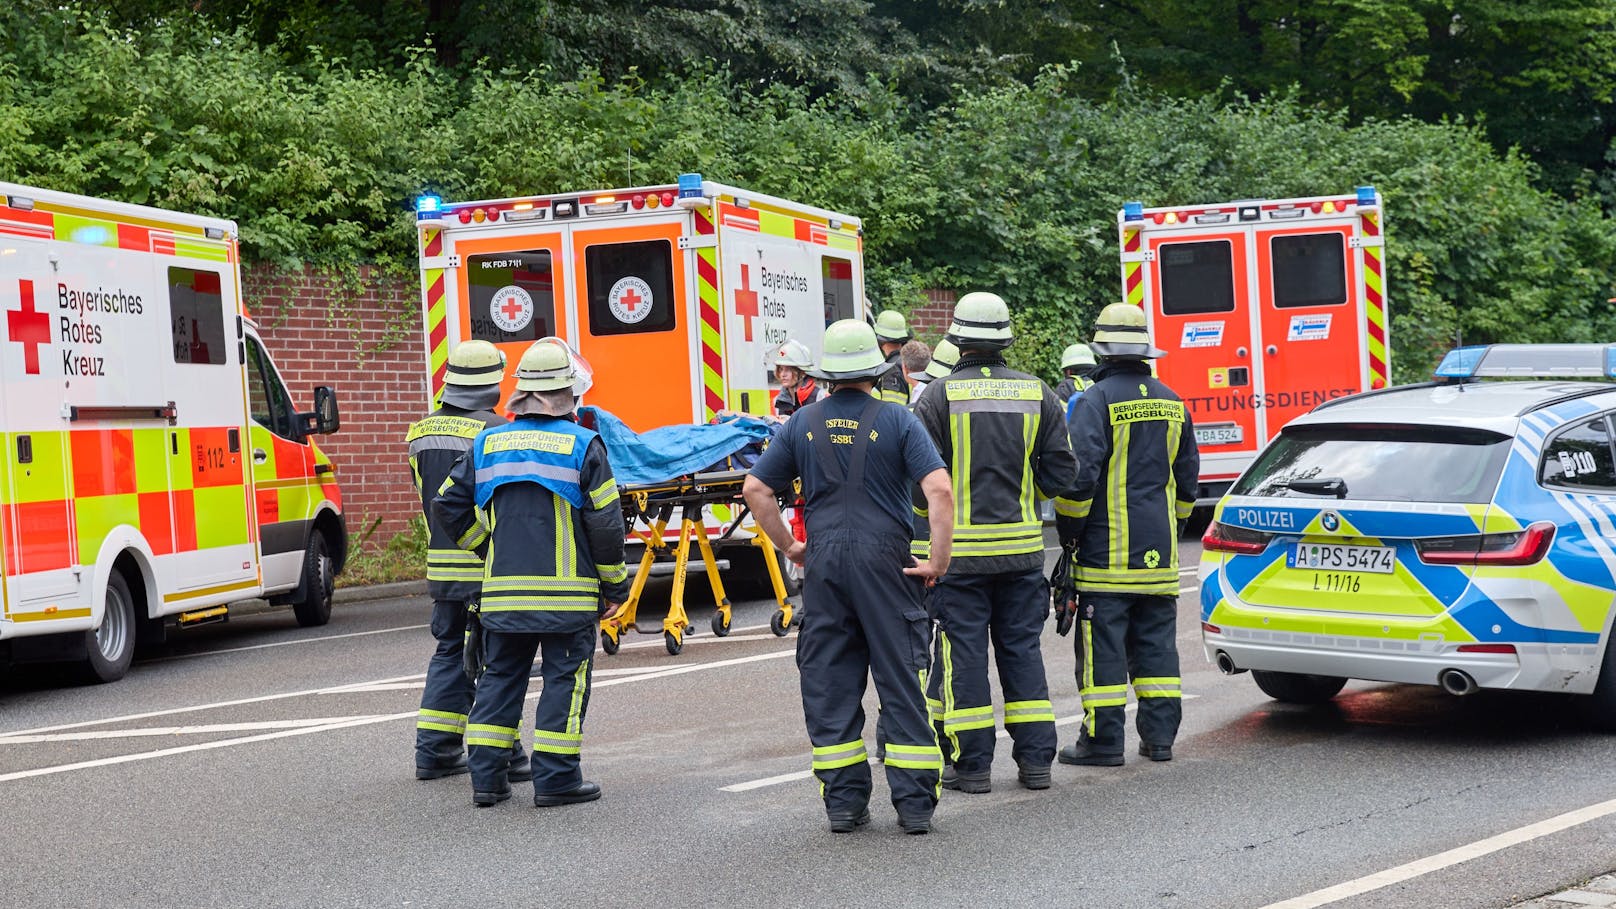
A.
x: 1368, y: 196
x: 691, y: 193
x: 1133, y: 211
x: 1529, y: 361
x: 429, y: 210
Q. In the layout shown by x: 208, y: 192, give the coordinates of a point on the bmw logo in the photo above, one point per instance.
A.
x: 1331, y: 521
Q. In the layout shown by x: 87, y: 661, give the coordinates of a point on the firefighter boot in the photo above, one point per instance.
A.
x: 1156, y: 752
x: 1082, y: 754
x: 848, y: 821
x: 974, y: 783
x: 586, y: 792
x: 1033, y: 776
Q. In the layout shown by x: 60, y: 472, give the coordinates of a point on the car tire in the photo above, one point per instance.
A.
x: 1599, y: 708
x: 1295, y: 688
x: 318, y: 584
x: 748, y: 575
x: 109, y: 649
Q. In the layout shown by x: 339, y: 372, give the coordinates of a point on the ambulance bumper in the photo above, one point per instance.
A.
x: 1533, y: 667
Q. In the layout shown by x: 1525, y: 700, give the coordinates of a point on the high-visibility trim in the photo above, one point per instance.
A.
x: 491, y: 736
x: 1374, y: 301
x: 832, y: 757
x: 434, y: 573
x: 1135, y: 575
x: 603, y: 495
x: 475, y: 535
x: 549, y: 742
x: 1158, y: 589
x: 1070, y: 508
x: 441, y: 721
x: 947, y: 650
x: 920, y: 549
x: 612, y: 574
x: 1029, y: 489
x: 1182, y: 509
x: 963, y: 719
x: 1004, y: 390
x: 1011, y: 531
x: 47, y: 616
x: 1103, y: 696
x: 914, y: 757
x: 999, y: 548
x: 936, y: 709
x: 203, y: 592
x: 959, y: 427
x: 580, y: 688
x: 893, y: 397
x: 1028, y: 712
x: 446, y: 426
x: 540, y: 603
x: 711, y: 322
x: 452, y: 556
x: 536, y: 582
x: 1145, y: 411
x: 1170, y: 686
x: 1116, y: 496
x: 1087, y: 681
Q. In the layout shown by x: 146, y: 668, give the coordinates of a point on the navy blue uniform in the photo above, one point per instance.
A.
x: 858, y: 459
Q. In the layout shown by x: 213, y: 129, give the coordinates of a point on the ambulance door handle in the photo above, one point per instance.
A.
x: 1273, y: 350
x: 259, y: 456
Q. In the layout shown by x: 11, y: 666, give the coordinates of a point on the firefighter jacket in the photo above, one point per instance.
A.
x: 539, y: 495
x: 791, y: 400
x: 1137, y: 473
x: 1001, y: 433
x: 892, y: 386
x: 436, y: 442
x: 1071, y: 385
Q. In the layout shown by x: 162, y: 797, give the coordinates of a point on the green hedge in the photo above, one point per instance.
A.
x: 1014, y: 189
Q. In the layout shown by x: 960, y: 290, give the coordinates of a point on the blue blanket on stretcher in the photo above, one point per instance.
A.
x: 670, y: 451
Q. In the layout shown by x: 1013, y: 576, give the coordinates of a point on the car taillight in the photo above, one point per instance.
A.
x: 1487, y: 648
x: 1519, y: 547
x: 1222, y: 537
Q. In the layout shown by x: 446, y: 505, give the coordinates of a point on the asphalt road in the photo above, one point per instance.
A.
x: 257, y: 764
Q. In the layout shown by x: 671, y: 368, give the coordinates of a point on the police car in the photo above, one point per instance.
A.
x: 1459, y: 533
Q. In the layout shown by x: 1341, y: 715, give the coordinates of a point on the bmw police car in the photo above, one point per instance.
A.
x: 1459, y: 533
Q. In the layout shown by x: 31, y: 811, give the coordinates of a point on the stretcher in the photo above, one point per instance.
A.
x: 648, y: 509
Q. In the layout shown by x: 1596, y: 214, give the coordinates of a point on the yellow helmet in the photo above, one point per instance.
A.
x: 475, y: 363
x: 851, y: 352
x: 981, y: 320
x: 891, y: 327
x: 1077, y: 355
x: 545, y: 366
x: 944, y: 357
x: 1121, y: 332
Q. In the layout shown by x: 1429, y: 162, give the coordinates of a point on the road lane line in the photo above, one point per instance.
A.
x: 343, y: 724
x: 1449, y: 858
x: 152, y: 731
x: 315, y: 640
x: 806, y: 774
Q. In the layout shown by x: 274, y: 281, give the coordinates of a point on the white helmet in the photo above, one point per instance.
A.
x: 794, y: 353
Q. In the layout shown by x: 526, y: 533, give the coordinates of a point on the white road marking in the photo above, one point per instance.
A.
x: 808, y: 774
x: 316, y: 640
x: 1449, y: 858
x: 347, y: 723
x: 153, y: 731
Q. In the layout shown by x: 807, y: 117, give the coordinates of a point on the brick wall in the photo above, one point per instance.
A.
x: 929, y: 320
x: 361, y: 335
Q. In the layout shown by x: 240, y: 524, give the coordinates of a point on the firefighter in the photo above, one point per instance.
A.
x: 1077, y: 363
x: 797, y: 388
x: 454, y: 577
x: 893, y: 332
x: 858, y: 457
x: 1137, y: 475
x: 537, y: 494
x: 1002, y: 435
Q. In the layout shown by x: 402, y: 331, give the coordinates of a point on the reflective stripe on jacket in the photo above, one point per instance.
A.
x: 1138, y: 468
x: 892, y: 387
x: 436, y: 442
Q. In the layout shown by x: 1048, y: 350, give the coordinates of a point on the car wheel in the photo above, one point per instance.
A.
x: 1295, y: 688
x: 748, y: 576
x: 319, y: 584
x: 110, y: 648
x: 1600, y: 707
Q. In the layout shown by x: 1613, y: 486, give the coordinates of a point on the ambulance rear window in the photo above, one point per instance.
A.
x: 1196, y: 277
x: 512, y: 296
x: 630, y: 287
x: 196, y: 316
x: 837, y: 277
x: 1309, y: 270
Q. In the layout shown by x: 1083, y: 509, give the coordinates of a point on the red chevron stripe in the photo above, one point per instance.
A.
x: 1370, y: 227
x: 434, y: 291
x: 707, y: 271
x: 704, y: 224
x: 434, y: 243
x: 1133, y: 241
x: 1135, y: 277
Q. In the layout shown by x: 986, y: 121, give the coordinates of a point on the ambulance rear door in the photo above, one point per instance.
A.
x: 1312, y: 334
x: 1196, y: 283
x: 509, y: 289
x: 632, y: 307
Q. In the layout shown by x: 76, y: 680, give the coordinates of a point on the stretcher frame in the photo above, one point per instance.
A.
x: 647, y: 510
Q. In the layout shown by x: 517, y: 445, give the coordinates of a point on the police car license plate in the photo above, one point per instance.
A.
x: 1220, y: 434
x: 1335, y: 557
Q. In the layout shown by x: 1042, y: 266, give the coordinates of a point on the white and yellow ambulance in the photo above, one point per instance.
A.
x: 155, y: 468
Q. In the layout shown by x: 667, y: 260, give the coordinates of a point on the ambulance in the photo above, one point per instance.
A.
x: 155, y: 468
x: 1266, y: 309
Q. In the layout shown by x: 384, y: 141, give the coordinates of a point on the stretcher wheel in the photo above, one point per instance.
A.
x: 777, y: 623
x: 673, y: 642
x: 720, y: 624
x: 610, y: 644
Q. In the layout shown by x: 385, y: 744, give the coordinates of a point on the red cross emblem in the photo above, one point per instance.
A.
x: 28, y: 327
x: 746, y: 300
x: 631, y: 299
x: 512, y: 308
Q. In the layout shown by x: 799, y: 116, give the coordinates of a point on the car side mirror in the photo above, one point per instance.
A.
x: 326, y: 418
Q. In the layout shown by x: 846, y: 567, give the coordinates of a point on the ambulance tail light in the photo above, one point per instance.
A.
x: 638, y: 201
x: 1515, y: 548
x: 1221, y: 537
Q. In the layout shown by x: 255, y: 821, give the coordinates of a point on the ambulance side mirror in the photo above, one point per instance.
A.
x: 325, y: 419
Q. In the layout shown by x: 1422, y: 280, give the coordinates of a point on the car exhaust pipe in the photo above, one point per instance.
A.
x: 1226, y: 664
x: 1457, y: 682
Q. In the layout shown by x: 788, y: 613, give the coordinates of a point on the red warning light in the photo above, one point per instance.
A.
x: 667, y: 199
x: 638, y: 201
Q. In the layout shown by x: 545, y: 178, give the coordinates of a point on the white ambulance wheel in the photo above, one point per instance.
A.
x: 1295, y: 688
x: 319, y: 582
x: 111, y: 648
x: 1600, y: 707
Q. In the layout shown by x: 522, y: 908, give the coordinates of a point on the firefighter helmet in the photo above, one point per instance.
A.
x: 794, y: 353
x: 475, y: 363
x: 545, y: 366
x: 943, y: 360
x: 851, y: 352
x: 1121, y: 332
x: 1077, y: 355
x: 891, y: 327
x: 981, y: 320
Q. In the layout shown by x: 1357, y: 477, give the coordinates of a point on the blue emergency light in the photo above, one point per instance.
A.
x: 1460, y: 363
x: 1523, y: 361
x: 690, y: 186
x: 1366, y: 195
x: 428, y: 208
x: 1133, y: 211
